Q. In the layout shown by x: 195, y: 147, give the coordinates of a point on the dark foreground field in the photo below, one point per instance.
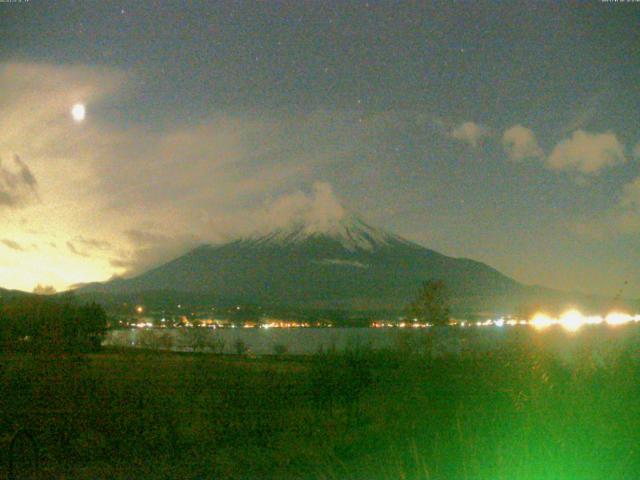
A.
x: 513, y: 414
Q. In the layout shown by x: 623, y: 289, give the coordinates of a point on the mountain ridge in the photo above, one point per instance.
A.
x: 339, y: 262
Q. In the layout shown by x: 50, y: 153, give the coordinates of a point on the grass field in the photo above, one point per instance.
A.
x: 513, y: 414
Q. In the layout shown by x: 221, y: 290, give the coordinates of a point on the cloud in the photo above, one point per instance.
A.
x: 150, y: 249
x: 73, y: 249
x: 18, y: 186
x: 470, y: 133
x: 520, y: 143
x: 97, y: 179
x: 318, y: 208
x: 93, y: 243
x: 144, y: 238
x: 586, y: 153
x: 89, y: 247
x: 13, y: 245
x: 100, y: 178
x: 34, y: 95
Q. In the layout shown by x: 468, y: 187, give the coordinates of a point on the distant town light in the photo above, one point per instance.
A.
x: 541, y: 321
x: 617, y: 318
x: 572, y: 320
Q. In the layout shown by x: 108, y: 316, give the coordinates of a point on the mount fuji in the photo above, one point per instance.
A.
x: 340, y: 263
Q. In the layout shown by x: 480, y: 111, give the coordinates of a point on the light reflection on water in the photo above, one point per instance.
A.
x: 601, y: 341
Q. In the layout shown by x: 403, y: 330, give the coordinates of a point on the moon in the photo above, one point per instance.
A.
x: 78, y: 112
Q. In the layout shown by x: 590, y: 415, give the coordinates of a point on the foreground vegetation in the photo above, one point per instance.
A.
x: 38, y: 323
x: 513, y: 414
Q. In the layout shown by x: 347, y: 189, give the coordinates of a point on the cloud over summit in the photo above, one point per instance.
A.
x: 319, y: 208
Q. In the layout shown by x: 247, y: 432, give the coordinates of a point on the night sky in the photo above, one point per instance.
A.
x: 507, y: 133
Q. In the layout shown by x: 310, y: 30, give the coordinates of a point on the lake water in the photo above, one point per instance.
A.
x: 601, y: 342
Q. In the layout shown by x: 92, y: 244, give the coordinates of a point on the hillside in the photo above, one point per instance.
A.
x: 343, y: 263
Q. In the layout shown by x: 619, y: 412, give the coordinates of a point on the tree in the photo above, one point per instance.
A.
x: 195, y: 338
x: 165, y: 341
x: 431, y: 305
x: 148, y: 338
x: 44, y: 290
x: 279, y: 349
x: 240, y: 347
x: 92, y: 326
x: 201, y: 339
x: 56, y: 324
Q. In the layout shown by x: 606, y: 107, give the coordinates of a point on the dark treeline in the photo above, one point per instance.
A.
x: 56, y: 324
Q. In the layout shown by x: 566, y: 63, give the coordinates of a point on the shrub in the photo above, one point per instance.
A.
x: 240, y: 347
x: 280, y: 349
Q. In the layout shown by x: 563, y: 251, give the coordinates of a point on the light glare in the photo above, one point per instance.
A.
x: 78, y: 112
x: 617, y: 318
x: 572, y: 320
x: 541, y: 321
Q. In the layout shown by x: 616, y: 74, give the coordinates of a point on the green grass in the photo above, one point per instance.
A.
x: 514, y: 414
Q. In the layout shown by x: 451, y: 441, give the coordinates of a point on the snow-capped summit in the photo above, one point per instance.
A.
x: 348, y: 229
x: 330, y: 261
x: 314, y: 254
x: 316, y: 216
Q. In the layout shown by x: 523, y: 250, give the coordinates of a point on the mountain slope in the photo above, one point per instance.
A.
x: 341, y: 263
